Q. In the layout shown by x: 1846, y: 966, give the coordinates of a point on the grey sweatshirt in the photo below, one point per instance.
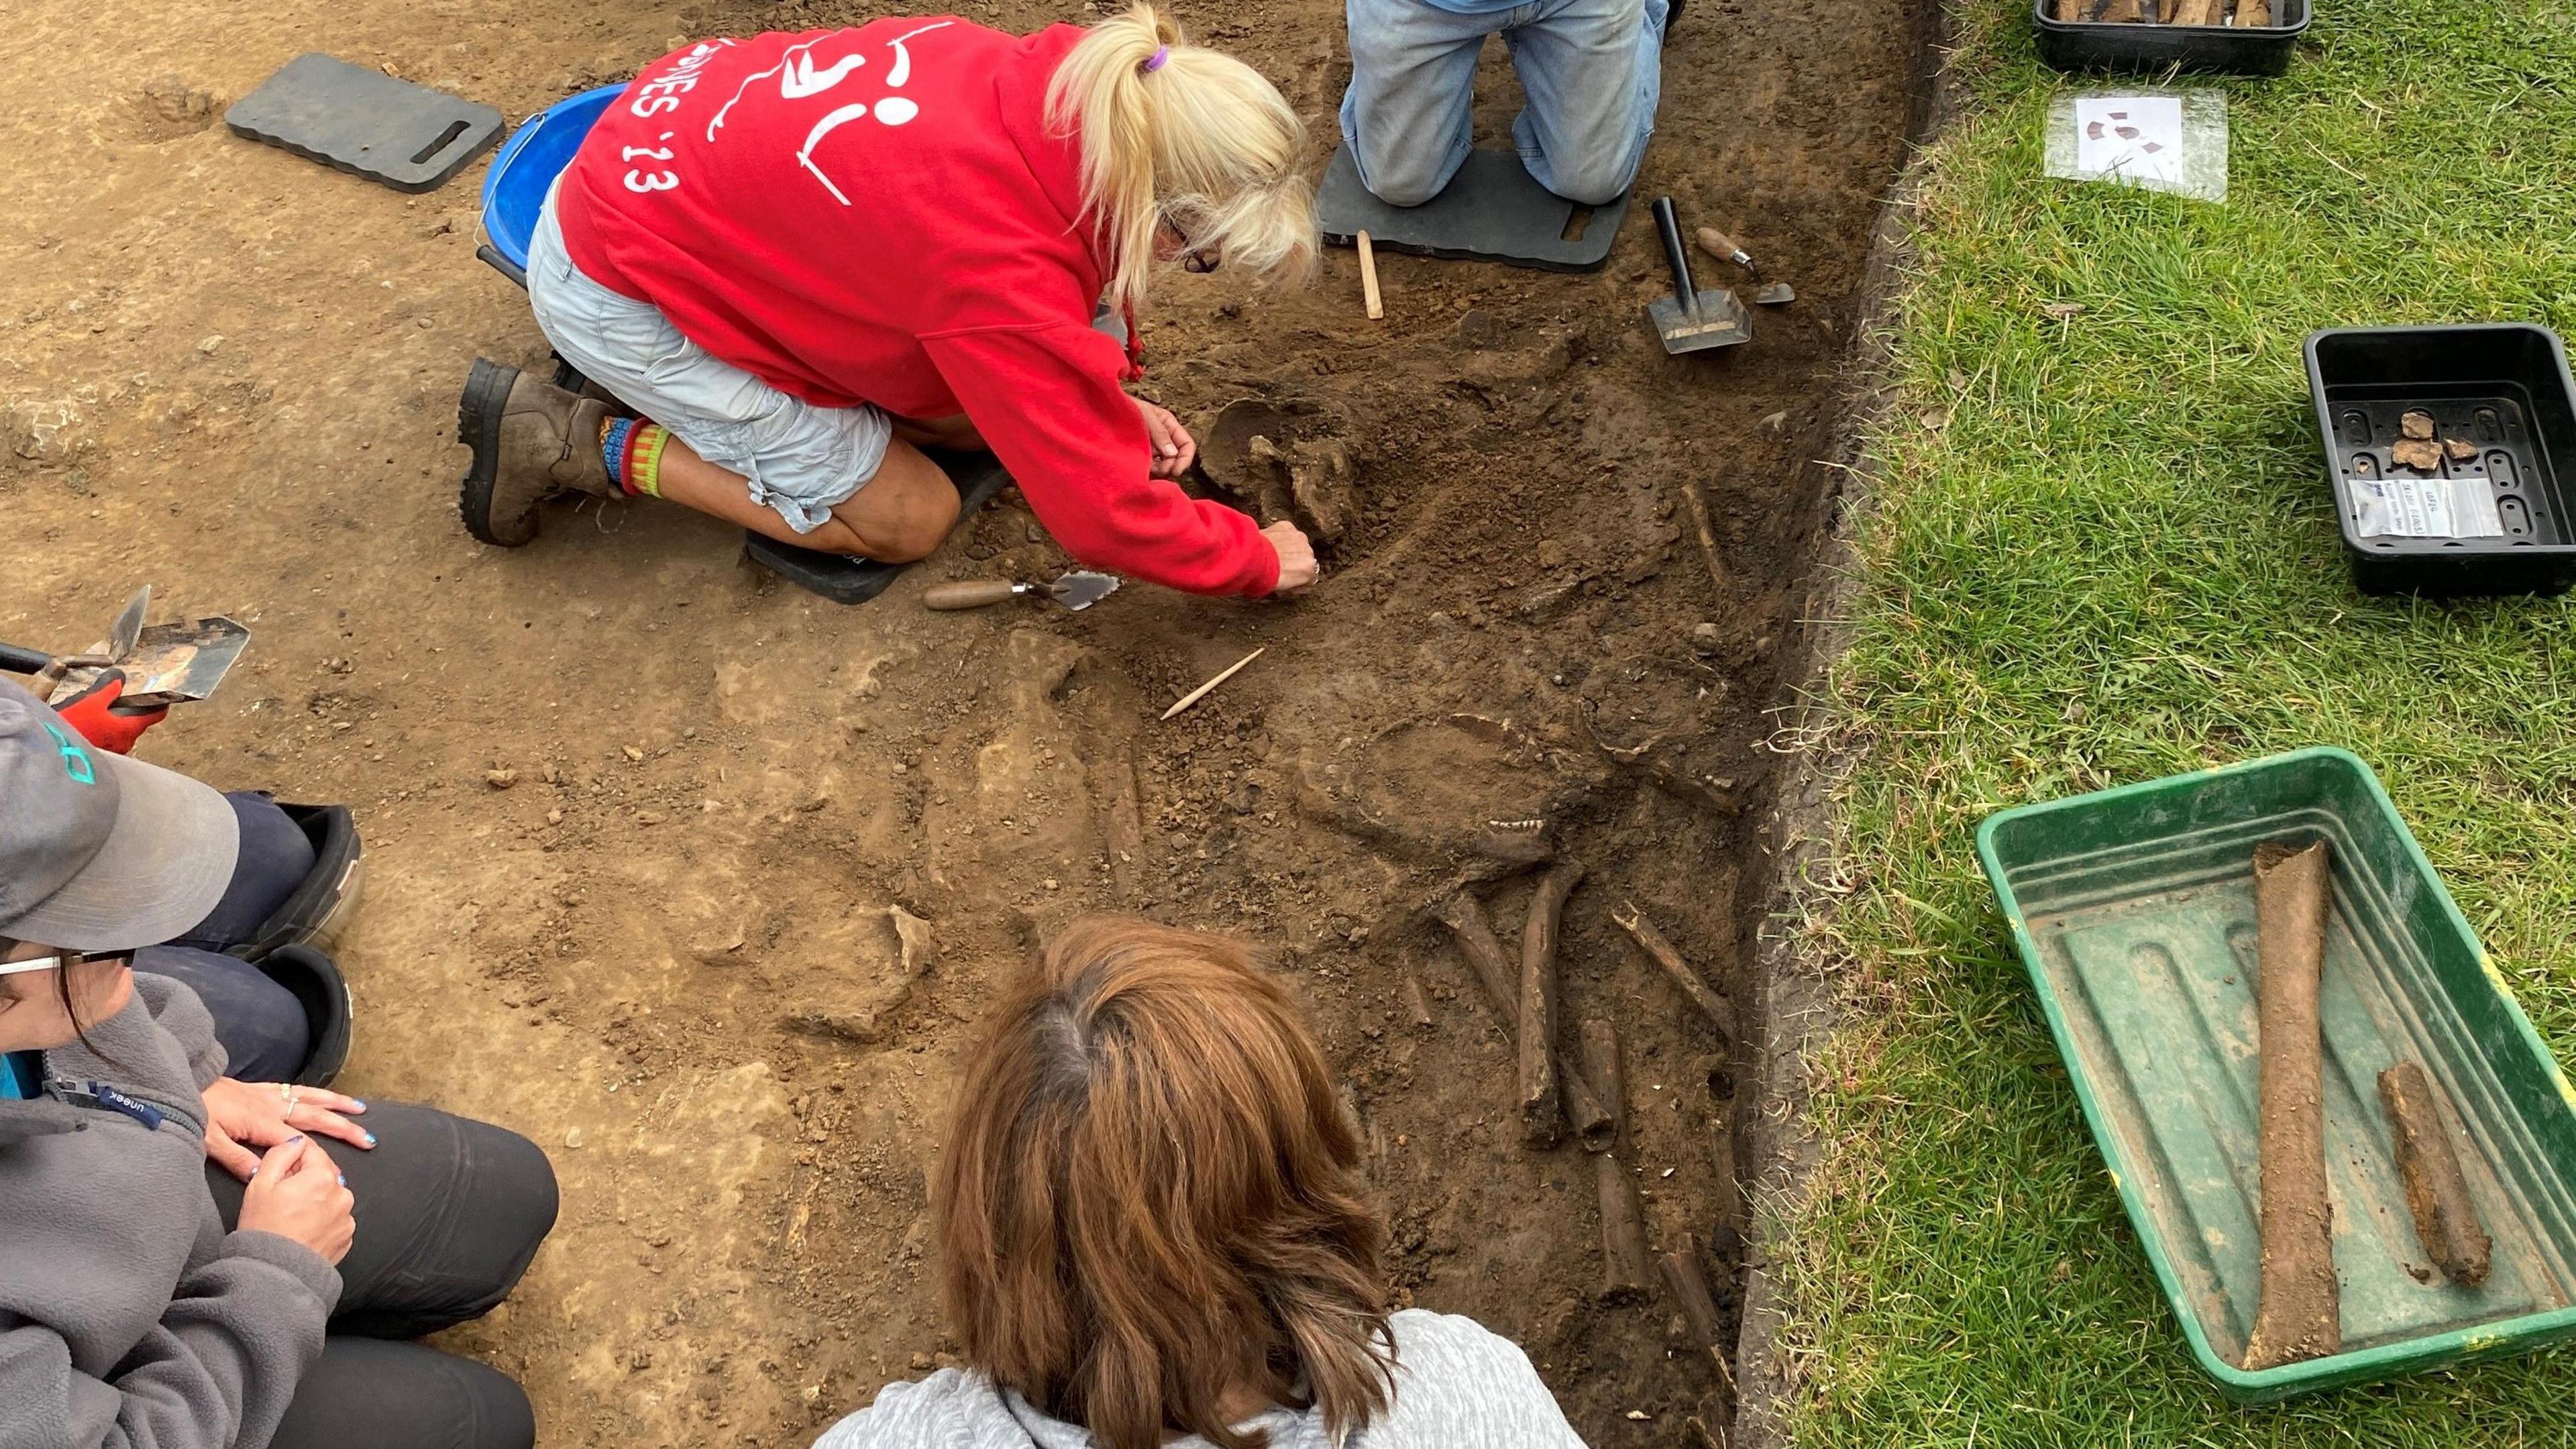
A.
x: 128, y: 1316
x: 1456, y: 1387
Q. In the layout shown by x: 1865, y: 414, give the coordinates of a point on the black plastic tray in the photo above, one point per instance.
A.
x: 2094, y: 45
x: 2502, y: 385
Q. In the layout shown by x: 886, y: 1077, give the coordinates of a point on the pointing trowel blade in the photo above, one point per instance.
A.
x: 1082, y: 588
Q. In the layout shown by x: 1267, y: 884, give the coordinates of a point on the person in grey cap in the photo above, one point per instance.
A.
x: 257, y: 961
x: 145, y: 1296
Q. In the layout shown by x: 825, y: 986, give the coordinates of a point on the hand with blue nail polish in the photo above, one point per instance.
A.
x: 245, y: 1118
x: 298, y: 1195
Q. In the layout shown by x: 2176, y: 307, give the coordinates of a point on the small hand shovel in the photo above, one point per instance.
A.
x: 1691, y: 320
x: 1721, y: 246
x: 163, y: 664
x: 1077, y: 590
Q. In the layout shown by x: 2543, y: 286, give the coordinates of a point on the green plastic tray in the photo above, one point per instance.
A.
x: 2134, y: 910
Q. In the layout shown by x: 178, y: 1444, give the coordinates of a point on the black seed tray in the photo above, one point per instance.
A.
x: 2503, y: 386
x: 2095, y: 45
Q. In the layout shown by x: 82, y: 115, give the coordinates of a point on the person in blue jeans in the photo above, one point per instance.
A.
x: 1591, y: 72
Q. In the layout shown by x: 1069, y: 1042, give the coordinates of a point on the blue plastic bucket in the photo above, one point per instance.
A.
x: 514, y: 190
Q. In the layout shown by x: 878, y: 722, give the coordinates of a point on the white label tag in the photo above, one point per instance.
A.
x: 2409, y: 507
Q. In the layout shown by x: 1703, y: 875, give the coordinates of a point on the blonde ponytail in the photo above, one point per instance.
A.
x: 1199, y: 137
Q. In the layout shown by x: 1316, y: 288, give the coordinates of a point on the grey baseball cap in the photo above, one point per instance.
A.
x: 99, y: 852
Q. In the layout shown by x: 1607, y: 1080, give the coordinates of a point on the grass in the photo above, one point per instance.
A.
x: 2102, y: 549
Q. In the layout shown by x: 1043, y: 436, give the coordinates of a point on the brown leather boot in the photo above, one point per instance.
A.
x: 531, y: 441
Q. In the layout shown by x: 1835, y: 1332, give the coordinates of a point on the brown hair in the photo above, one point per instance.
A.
x: 1148, y: 1197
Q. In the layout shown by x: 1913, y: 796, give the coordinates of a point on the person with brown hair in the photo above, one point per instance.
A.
x: 1151, y: 1232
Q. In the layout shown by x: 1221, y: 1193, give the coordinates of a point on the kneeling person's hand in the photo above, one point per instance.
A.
x: 244, y: 1118
x: 104, y: 719
x: 1174, y: 449
x: 297, y: 1194
x: 1296, y: 555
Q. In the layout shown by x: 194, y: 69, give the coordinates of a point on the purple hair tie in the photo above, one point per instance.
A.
x: 1155, y: 61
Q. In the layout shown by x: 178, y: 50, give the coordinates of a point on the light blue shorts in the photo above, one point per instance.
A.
x: 800, y: 459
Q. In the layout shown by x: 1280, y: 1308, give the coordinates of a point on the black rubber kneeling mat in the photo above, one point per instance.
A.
x: 365, y: 122
x: 1491, y: 210
x: 847, y: 580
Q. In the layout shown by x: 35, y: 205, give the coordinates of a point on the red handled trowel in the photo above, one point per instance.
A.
x: 163, y: 663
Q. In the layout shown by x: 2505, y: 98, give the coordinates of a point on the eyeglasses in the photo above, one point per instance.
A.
x: 1199, y: 260
x: 63, y: 959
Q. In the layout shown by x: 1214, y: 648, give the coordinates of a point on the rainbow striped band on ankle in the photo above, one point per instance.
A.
x: 632, y: 449
x: 644, y: 459
x: 612, y: 448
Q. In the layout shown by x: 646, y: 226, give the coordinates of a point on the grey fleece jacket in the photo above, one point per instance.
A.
x: 1457, y: 1386
x: 128, y: 1316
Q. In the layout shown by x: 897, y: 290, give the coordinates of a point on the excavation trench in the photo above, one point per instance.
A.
x: 1536, y: 649
x: 672, y: 950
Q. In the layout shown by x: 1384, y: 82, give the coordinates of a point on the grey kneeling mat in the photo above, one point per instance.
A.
x: 1490, y: 210
x: 365, y: 122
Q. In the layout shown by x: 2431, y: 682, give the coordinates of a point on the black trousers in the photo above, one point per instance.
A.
x: 449, y: 1214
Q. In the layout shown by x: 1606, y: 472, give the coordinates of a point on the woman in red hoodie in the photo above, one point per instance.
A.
x: 802, y: 258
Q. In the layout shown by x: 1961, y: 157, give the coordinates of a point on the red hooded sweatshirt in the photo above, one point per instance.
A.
x: 882, y: 215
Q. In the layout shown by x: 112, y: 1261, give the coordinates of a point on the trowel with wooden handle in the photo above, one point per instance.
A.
x: 1721, y: 246
x: 1079, y: 589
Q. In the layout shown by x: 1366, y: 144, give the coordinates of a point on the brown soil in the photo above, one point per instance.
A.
x: 680, y: 949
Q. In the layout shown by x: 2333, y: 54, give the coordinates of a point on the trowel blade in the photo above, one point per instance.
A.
x: 169, y: 662
x: 1718, y: 321
x: 129, y: 625
x: 1082, y: 588
x: 1775, y: 294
